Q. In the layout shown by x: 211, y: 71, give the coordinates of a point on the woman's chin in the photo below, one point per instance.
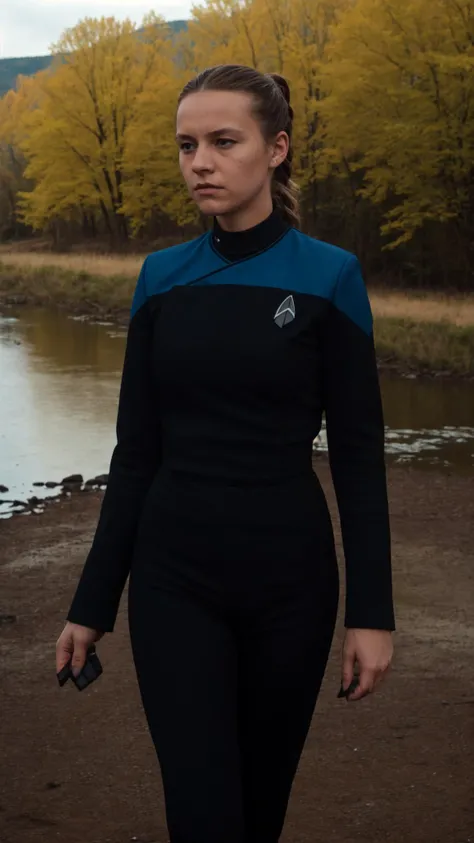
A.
x: 212, y: 205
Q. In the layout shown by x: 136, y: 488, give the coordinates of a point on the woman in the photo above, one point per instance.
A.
x: 238, y: 341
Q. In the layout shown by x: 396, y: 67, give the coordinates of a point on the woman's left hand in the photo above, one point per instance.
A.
x: 372, y: 649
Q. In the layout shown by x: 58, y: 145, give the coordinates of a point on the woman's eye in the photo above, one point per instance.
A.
x: 222, y: 143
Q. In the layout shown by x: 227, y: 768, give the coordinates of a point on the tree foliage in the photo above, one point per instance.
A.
x: 383, y: 94
x: 75, y: 137
x: 400, y: 77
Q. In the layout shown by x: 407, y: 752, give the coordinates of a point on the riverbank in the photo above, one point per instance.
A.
x: 429, y: 334
x: 367, y: 769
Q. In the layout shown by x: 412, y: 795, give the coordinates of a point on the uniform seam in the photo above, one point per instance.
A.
x: 332, y: 300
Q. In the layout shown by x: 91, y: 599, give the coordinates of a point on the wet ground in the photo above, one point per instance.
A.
x: 395, y: 767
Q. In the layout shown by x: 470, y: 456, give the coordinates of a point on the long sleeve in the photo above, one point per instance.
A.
x: 133, y: 465
x: 355, y: 432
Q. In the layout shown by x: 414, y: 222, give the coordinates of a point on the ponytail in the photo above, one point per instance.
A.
x: 284, y: 189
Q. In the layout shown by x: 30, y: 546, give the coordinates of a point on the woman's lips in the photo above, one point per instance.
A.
x: 206, y: 189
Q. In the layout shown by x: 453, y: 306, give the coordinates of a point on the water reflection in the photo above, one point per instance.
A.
x: 58, y: 397
x: 431, y: 404
x: 59, y: 383
x: 430, y: 422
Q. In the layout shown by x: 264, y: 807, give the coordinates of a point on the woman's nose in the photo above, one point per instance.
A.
x: 202, y: 159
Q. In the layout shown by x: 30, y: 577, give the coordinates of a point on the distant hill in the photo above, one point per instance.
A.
x: 10, y: 69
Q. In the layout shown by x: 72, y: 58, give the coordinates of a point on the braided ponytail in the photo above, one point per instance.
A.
x: 284, y: 189
x: 271, y: 95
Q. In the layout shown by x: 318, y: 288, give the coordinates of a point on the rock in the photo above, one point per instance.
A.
x: 71, y: 488
x: 33, y: 501
x: 72, y: 479
x: 90, y: 483
x: 7, y: 619
x: 3, y: 489
x: 50, y: 484
x: 38, y: 484
x: 102, y: 479
x: 19, y: 503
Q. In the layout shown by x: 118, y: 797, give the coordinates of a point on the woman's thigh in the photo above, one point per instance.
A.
x: 186, y: 661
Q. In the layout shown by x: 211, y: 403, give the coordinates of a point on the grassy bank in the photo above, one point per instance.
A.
x: 425, y: 333
x: 80, y: 283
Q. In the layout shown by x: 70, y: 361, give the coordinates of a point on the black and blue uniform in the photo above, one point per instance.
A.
x: 238, y: 343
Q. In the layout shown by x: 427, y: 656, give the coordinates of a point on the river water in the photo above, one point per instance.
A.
x: 59, y: 382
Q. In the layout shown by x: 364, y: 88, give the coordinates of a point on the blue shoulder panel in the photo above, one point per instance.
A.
x: 330, y: 272
x: 297, y: 263
x: 176, y: 265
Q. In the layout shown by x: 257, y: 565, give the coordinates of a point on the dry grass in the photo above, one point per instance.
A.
x: 103, y: 265
x: 426, y: 346
x: 457, y: 310
x: 83, y: 284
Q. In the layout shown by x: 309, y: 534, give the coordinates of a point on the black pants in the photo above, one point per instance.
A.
x: 233, y: 599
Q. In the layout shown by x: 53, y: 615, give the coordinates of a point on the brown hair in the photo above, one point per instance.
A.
x: 271, y: 96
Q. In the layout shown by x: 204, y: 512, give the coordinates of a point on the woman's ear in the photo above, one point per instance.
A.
x: 280, y: 147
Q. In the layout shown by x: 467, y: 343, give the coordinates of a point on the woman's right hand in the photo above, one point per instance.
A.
x: 74, y: 641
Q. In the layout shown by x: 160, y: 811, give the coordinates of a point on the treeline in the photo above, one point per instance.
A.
x: 383, y: 93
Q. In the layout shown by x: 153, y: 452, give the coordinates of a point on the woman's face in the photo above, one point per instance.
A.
x: 223, y: 156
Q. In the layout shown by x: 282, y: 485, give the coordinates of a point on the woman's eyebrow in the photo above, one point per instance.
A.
x: 226, y: 130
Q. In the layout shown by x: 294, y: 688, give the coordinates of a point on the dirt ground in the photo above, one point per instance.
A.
x: 397, y: 766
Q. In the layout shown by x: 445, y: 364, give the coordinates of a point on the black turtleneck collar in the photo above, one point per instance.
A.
x: 236, y: 245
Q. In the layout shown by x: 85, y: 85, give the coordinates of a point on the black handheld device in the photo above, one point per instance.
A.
x: 352, y: 687
x: 91, y: 670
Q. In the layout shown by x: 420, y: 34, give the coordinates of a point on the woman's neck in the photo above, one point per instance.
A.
x: 245, y: 218
x: 243, y: 243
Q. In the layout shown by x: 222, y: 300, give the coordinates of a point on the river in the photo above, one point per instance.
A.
x: 59, y: 381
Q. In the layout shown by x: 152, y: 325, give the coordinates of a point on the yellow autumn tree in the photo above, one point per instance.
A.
x: 75, y: 138
x: 153, y: 183
x: 13, y: 105
x: 381, y: 90
x: 101, y: 139
x: 226, y: 32
x: 11, y: 169
x: 401, y: 85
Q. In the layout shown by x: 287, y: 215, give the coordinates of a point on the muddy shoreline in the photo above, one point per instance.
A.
x: 396, y: 766
x: 72, y: 485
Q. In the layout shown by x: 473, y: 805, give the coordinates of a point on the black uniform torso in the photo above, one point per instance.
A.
x: 238, y: 344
